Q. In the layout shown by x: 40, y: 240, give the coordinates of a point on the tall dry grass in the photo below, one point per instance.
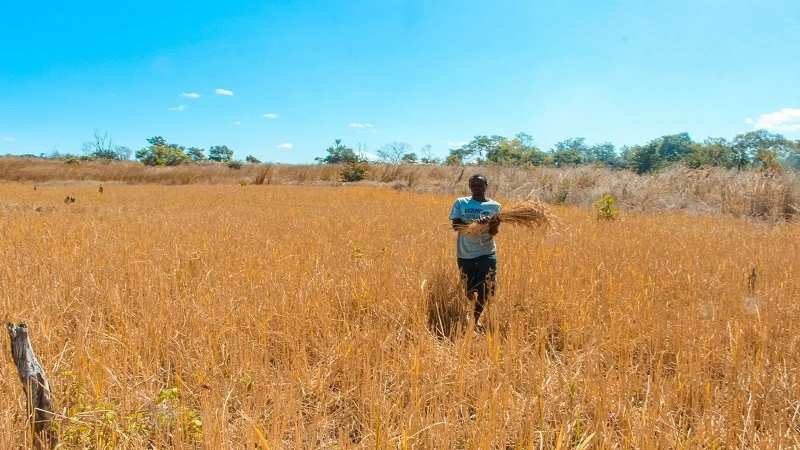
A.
x: 764, y: 195
x: 327, y: 317
x: 323, y: 317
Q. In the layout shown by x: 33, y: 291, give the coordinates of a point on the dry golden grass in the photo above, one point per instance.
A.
x: 327, y: 317
x: 765, y: 195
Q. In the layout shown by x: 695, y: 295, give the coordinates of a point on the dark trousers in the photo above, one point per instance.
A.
x: 479, y: 276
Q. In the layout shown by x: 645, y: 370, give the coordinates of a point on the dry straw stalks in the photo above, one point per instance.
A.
x: 529, y: 214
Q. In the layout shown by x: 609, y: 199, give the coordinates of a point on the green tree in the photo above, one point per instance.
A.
x: 517, y: 151
x: 563, y: 158
x: 339, y: 153
x: 540, y: 158
x: 509, y: 152
x: 658, y: 153
x: 625, y: 156
x: 454, y: 159
x: 526, y: 139
x: 159, y: 153
x: 252, y: 160
x: 410, y: 158
x: 157, y: 140
x: 711, y: 152
x: 604, y: 154
x: 476, y: 149
x: 220, y: 153
x: 644, y: 158
x: 761, y: 148
x: 570, y: 152
x: 674, y: 147
x: 793, y: 159
x: 196, y: 154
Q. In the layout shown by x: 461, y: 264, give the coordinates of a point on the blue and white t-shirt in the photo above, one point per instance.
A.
x: 467, y: 209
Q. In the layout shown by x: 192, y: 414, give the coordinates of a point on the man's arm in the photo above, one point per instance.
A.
x: 458, y: 223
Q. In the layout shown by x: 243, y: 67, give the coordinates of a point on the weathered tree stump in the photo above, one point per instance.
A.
x: 35, y: 385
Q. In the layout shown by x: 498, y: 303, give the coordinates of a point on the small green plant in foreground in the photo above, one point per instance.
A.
x: 605, y: 207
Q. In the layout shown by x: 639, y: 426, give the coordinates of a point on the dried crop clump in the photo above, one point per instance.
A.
x: 528, y: 214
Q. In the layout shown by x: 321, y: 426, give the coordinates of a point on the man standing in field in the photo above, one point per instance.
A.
x: 477, y: 259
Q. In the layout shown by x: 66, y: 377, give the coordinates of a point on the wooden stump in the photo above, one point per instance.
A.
x: 35, y: 385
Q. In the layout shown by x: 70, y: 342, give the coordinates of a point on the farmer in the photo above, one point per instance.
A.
x: 477, y: 258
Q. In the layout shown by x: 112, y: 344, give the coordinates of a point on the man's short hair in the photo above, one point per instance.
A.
x: 477, y: 175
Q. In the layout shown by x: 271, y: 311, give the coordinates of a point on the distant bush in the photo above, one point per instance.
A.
x: 354, y: 171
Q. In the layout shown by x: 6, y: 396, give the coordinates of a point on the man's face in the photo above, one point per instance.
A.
x: 477, y: 186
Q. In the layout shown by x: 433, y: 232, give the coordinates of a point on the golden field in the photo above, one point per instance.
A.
x: 302, y: 317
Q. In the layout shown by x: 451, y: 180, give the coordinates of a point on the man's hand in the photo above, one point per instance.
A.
x: 493, y: 223
x: 494, y: 227
x: 491, y: 220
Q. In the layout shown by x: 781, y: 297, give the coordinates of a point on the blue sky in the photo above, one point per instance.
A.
x: 281, y: 80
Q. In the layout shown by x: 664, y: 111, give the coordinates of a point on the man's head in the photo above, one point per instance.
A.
x: 477, y: 185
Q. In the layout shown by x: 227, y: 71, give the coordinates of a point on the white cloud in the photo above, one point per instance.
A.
x: 369, y: 156
x: 190, y: 95
x: 237, y: 123
x: 223, y: 92
x: 8, y: 139
x: 360, y: 125
x: 457, y: 143
x: 288, y: 145
x: 270, y: 116
x: 748, y: 121
x: 178, y: 108
x: 787, y: 119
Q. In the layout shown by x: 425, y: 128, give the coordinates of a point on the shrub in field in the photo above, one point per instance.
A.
x: 235, y: 164
x: 160, y: 153
x: 605, y: 207
x: 354, y: 171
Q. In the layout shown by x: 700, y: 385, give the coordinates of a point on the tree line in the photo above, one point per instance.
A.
x: 159, y: 152
x: 758, y: 148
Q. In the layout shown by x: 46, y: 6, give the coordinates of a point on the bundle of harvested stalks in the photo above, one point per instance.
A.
x: 528, y: 214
